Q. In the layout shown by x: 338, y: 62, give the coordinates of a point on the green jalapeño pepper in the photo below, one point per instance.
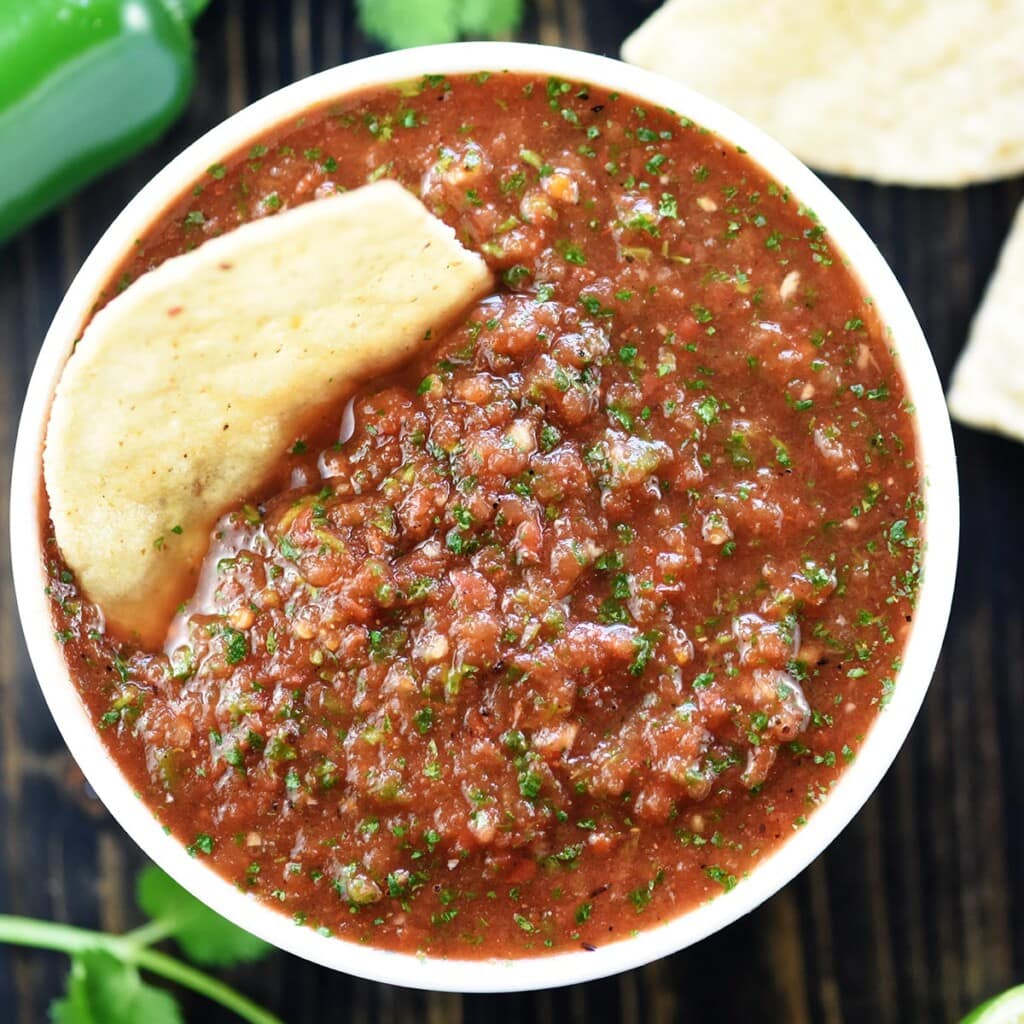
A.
x: 84, y: 84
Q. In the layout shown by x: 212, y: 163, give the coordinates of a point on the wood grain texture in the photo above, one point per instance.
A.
x: 914, y: 914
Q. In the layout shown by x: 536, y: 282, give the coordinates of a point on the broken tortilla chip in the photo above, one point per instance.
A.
x: 184, y: 391
x: 988, y: 383
x: 913, y: 92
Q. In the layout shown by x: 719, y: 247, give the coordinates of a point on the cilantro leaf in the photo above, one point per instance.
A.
x: 489, y: 17
x: 401, y: 23
x: 204, y: 935
x: 104, y: 990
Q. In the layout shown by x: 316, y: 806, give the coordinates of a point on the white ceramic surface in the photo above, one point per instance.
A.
x: 858, y: 781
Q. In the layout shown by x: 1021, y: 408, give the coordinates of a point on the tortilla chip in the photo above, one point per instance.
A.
x: 187, y: 389
x: 988, y: 383
x: 914, y: 92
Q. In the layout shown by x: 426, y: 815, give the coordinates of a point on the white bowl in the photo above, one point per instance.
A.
x: 859, y: 779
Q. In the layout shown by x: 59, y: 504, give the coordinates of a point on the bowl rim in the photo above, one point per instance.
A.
x: 855, y: 784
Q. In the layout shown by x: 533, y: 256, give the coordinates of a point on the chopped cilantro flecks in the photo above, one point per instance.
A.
x: 236, y: 645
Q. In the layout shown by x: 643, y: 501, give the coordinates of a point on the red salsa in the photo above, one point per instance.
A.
x: 557, y: 632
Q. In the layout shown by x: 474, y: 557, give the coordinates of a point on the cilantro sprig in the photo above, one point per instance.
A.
x: 105, y: 985
x: 400, y: 23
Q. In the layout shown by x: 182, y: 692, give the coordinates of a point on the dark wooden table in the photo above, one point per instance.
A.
x: 914, y: 914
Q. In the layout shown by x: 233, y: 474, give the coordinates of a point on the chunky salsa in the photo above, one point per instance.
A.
x: 559, y: 631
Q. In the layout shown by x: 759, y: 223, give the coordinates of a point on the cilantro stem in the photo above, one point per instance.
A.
x: 24, y: 931
x: 131, y: 948
x: 150, y: 933
x: 199, y: 981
